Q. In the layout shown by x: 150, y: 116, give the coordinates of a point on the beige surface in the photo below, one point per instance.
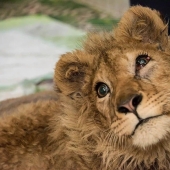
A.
x: 113, y: 7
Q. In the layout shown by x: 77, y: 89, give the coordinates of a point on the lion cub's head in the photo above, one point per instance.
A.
x: 122, y: 81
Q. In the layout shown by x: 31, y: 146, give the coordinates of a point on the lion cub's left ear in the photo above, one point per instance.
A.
x: 72, y: 71
x: 144, y: 25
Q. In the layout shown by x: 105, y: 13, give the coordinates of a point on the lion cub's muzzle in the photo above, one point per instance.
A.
x: 130, y: 104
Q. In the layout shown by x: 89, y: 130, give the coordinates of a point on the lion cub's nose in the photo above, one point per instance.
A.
x: 130, y: 105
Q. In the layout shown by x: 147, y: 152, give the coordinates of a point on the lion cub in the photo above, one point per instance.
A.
x: 110, y: 109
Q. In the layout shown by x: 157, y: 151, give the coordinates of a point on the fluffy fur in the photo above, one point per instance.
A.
x: 76, y: 128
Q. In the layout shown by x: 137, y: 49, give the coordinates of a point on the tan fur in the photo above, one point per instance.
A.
x: 74, y: 129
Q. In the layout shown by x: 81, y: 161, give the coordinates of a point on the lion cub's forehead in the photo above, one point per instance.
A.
x: 115, y: 65
x: 118, y: 61
x: 121, y: 63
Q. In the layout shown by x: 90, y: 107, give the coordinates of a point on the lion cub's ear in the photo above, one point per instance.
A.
x: 72, y: 71
x: 142, y: 24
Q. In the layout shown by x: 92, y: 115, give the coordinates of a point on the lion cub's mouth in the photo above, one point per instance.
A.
x: 143, y: 121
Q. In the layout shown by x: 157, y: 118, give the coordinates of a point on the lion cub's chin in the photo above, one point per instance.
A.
x: 151, y: 132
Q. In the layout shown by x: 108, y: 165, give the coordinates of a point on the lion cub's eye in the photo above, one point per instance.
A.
x: 141, y: 61
x: 102, y: 89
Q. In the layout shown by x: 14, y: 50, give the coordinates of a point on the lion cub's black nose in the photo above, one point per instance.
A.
x: 130, y: 105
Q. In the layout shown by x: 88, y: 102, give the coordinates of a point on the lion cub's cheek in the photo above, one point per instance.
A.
x: 125, y: 125
x: 104, y: 107
x: 152, y: 105
x: 151, y: 132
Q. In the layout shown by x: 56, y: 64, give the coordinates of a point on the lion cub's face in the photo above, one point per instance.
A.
x: 132, y: 91
x: 123, y: 78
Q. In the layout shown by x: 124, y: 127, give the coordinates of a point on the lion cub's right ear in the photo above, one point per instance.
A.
x: 143, y: 25
x: 72, y: 71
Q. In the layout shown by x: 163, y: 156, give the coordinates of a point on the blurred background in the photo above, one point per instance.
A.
x: 34, y: 33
